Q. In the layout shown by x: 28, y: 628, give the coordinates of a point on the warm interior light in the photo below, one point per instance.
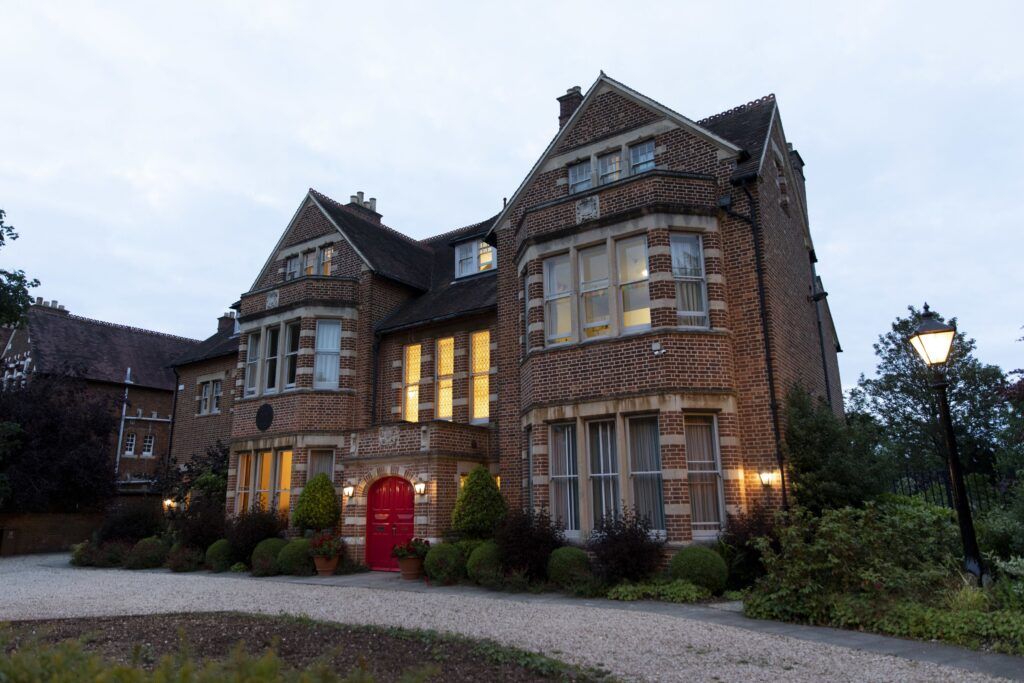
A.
x: 421, y: 487
x: 932, y: 340
x: 348, y: 491
x: 767, y: 478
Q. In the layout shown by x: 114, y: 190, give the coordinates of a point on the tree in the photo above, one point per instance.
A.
x: 205, y: 474
x: 55, y: 446
x: 900, y: 399
x: 832, y: 463
x: 479, y: 507
x: 14, y: 285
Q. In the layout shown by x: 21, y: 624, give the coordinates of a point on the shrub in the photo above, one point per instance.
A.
x: 479, y: 507
x: 901, y: 548
x: 700, y: 566
x: 111, y: 553
x: 245, y: 530
x: 467, y: 546
x: 132, y: 522
x: 198, y: 523
x: 264, y: 557
x: 218, y: 556
x: 181, y: 558
x: 624, y: 548
x: 568, y: 567
x: 317, y: 507
x: 83, y: 554
x: 445, y: 563
x: 149, y: 553
x: 1001, y: 533
x: 239, y: 568
x: 674, y: 591
x: 483, y: 566
x: 295, y: 558
x: 526, y: 541
x: 737, y: 547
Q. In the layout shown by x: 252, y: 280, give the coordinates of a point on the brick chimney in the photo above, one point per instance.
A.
x: 364, y: 208
x: 226, y: 323
x: 52, y: 306
x: 568, y: 103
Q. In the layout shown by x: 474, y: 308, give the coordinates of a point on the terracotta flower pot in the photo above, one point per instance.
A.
x: 325, y: 566
x: 411, y: 567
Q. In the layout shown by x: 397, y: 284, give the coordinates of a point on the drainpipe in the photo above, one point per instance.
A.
x: 753, y: 220
x: 374, y: 354
x: 816, y: 297
x: 120, y: 429
x: 174, y: 411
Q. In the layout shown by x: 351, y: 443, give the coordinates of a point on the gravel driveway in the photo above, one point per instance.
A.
x: 634, y: 645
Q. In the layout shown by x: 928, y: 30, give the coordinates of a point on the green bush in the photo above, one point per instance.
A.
x: 111, y: 554
x: 674, y: 591
x: 317, y: 507
x: 899, y: 549
x: 525, y: 543
x: 83, y: 554
x: 479, y: 507
x: 218, y: 556
x: 131, y: 522
x: 568, y: 566
x: 264, y: 557
x: 239, y: 568
x: 467, y: 546
x: 246, y: 529
x: 295, y: 558
x: 625, y: 548
x: 149, y: 553
x: 1001, y: 533
x: 700, y: 566
x: 444, y: 563
x: 181, y: 558
x: 484, y: 565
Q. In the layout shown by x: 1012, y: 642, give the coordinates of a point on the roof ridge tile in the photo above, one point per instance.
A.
x: 347, y: 209
x: 128, y: 328
x: 770, y: 97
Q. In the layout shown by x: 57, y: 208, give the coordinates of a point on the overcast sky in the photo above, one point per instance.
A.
x: 152, y: 153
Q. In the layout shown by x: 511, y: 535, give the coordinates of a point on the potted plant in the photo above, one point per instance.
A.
x: 326, y: 549
x: 410, y: 557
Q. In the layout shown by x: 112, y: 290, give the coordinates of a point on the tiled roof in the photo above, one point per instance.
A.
x: 448, y: 297
x: 748, y: 126
x: 103, y: 351
x: 222, y: 343
x: 388, y: 252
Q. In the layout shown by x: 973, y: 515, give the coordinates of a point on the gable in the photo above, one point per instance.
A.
x: 310, y: 224
x: 608, y: 113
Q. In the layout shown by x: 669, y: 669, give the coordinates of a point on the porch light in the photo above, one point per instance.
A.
x: 420, y: 487
x: 932, y: 340
x: 767, y: 478
x: 169, y: 504
x: 348, y: 491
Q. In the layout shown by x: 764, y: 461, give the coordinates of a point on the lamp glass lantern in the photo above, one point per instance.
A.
x: 932, y: 339
x: 420, y: 487
x: 767, y: 478
x: 348, y: 491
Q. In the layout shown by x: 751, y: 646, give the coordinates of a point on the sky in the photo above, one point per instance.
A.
x: 152, y: 153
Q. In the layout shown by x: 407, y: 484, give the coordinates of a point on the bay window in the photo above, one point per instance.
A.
x: 327, y: 354
x: 252, y: 364
x: 411, y: 383
x: 564, y: 477
x: 309, y: 263
x: 291, y: 354
x: 641, y: 157
x: 445, y: 368
x: 705, y: 474
x: 480, y: 375
x: 557, y: 299
x: 271, y: 348
x: 691, y: 283
x: 593, y: 270
x: 324, y: 260
x: 645, y: 469
x: 264, y: 481
x: 604, y: 470
x: 634, y: 296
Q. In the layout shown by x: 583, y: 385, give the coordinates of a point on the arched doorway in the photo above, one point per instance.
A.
x: 390, y: 509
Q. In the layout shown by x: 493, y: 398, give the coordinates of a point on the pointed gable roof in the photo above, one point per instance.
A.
x: 748, y: 126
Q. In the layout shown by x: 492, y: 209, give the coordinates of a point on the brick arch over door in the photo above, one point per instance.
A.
x: 364, y: 484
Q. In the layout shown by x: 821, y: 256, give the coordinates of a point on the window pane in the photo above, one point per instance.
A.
x: 242, y: 498
x: 481, y: 351
x: 686, y: 256
x: 565, y: 495
x: 326, y: 254
x: 704, y: 474
x: 309, y: 266
x: 481, y: 397
x: 464, y: 259
x: 604, y: 469
x: 636, y: 305
x: 445, y: 356
x: 609, y: 167
x: 328, y: 335
x: 486, y: 256
x: 444, y: 398
x: 557, y: 276
x: 273, y: 335
x: 412, y: 403
x: 641, y: 156
x: 632, y: 259
x: 411, y: 374
x: 593, y: 265
x: 284, y: 480
x: 579, y: 177
x: 595, y: 313
x: 321, y: 462
x: 558, y: 320
x: 412, y: 364
x: 690, y: 302
x: 645, y: 464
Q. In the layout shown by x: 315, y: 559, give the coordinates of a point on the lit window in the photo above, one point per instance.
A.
x: 645, y: 467
x: 328, y: 354
x: 252, y: 364
x: 445, y: 365
x: 609, y: 168
x: 291, y: 354
x: 474, y: 257
x: 480, y: 368
x: 309, y: 263
x: 641, y: 157
x: 604, y: 470
x: 129, y: 444
x: 147, y: 444
x: 557, y: 299
x: 634, y: 297
x: 264, y: 481
x: 565, y: 478
x: 593, y: 269
x: 243, y: 489
x: 326, y: 254
x: 580, y: 177
x: 691, y: 284
x: 705, y: 474
x: 291, y: 268
x: 411, y: 383
x: 271, y: 347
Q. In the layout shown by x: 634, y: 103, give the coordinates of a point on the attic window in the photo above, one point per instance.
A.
x: 474, y: 257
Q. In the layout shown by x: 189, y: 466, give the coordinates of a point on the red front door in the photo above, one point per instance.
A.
x: 389, y: 521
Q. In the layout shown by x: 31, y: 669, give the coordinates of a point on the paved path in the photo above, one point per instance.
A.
x: 637, y: 641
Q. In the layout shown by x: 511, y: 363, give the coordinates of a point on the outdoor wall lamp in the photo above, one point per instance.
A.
x: 420, y: 487
x: 348, y: 491
x: 933, y: 340
x: 169, y: 504
x: 767, y: 478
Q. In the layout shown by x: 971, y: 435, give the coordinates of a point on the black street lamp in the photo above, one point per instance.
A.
x: 932, y: 340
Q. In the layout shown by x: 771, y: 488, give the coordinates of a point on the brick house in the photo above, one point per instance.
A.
x: 127, y: 365
x: 621, y: 333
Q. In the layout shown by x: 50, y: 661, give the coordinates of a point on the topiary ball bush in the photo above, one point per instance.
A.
x: 484, y: 565
x: 295, y: 559
x: 444, y: 563
x: 700, y: 566
x: 568, y: 566
x: 149, y: 553
x: 479, y: 507
x: 467, y: 547
x: 218, y: 556
x: 184, y: 559
x: 264, y: 557
x: 317, y: 507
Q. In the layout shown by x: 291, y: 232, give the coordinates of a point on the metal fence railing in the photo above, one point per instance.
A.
x: 934, y: 487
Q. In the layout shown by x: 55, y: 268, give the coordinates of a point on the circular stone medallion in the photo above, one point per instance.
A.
x: 264, y: 417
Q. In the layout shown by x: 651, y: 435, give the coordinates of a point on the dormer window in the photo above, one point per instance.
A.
x: 474, y: 257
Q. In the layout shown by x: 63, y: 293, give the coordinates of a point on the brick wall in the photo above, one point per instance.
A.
x: 194, y: 433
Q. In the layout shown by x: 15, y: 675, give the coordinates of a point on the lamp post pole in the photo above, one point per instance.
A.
x: 972, y: 556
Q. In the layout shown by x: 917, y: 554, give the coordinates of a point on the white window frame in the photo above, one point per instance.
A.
x: 581, y: 176
x: 573, y: 517
x: 291, y: 358
x: 327, y: 354
x: 605, y: 172
x: 622, y: 285
x: 324, y: 255
x: 468, y: 261
x: 216, y: 393
x: 686, y: 317
x: 442, y: 379
x: 252, y: 364
x: 474, y: 374
x: 272, y: 363
x: 411, y: 408
x: 148, y: 443
x: 606, y: 478
x: 716, y: 471
x: 291, y: 268
x: 635, y: 166
x: 129, y: 443
x: 550, y: 296
x: 309, y: 262
x: 204, y: 398
x: 591, y: 287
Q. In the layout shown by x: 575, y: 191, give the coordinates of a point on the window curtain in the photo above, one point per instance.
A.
x: 565, y: 484
x: 704, y: 474
x: 645, y: 461
x: 328, y: 346
x: 604, y: 470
